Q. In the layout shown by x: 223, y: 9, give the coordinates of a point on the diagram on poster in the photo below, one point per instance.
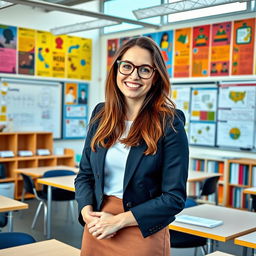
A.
x: 202, y: 133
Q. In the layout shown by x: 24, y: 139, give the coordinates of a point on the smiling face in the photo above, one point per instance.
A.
x: 132, y: 86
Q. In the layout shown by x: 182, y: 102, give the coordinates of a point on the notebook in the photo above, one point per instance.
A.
x: 198, y: 221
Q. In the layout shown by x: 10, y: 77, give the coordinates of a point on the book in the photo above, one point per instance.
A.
x: 198, y: 221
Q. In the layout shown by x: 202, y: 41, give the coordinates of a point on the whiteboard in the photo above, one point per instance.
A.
x: 33, y: 105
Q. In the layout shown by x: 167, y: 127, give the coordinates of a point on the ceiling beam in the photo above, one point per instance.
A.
x: 72, y: 2
x: 72, y: 10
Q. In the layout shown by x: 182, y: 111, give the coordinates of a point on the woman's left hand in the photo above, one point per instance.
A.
x: 105, y: 226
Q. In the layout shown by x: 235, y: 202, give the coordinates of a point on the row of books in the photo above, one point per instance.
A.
x: 239, y: 174
x: 237, y: 199
x: 216, y: 167
x: 197, y: 165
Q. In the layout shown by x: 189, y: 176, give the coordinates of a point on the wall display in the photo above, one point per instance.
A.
x: 8, y: 44
x: 153, y: 36
x: 112, y: 46
x: 181, y: 97
x: 182, y: 52
x: 3, y: 104
x: 236, y: 116
x: 220, y: 49
x: 44, y: 53
x: 59, y: 48
x: 75, y: 110
x: 165, y: 42
x: 200, y: 52
x: 26, y: 51
x: 243, y: 47
x: 85, y: 67
x: 32, y: 105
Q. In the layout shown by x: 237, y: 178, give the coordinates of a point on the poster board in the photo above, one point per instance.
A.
x: 31, y: 105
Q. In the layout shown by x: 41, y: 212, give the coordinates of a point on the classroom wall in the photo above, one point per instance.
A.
x: 194, y: 150
x: 35, y: 18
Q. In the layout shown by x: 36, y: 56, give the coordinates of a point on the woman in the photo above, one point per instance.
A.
x: 133, y: 171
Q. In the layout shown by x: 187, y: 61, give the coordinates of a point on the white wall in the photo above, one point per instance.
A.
x: 35, y: 18
x: 194, y: 150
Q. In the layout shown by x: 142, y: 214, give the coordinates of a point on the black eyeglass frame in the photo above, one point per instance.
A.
x: 135, y: 66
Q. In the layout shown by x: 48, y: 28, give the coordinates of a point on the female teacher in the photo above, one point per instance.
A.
x: 133, y: 171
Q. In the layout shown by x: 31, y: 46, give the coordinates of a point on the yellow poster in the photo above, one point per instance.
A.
x: 26, y: 51
x: 43, y: 53
x: 182, y: 52
x: 73, y: 52
x: 85, y: 62
x: 59, y: 46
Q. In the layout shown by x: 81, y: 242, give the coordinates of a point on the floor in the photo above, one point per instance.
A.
x: 65, y: 230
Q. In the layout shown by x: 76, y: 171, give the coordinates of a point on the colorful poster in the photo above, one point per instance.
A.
x: 182, y: 52
x: 204, y: 104
x: 220, y: 49
x: 8, y: 45
x: 112, y: 46
x: 75, y: 112
x: 200, y: 52
x: 85, y: 61
x: 165, y: 42
x: 43, y: 53
x: 26, y: 51
x: 153, y: 36
x: 124, y: 40
x: 243, y: 47
x: 3, y: 104
x: 59, y: 46
x: 236, y: 116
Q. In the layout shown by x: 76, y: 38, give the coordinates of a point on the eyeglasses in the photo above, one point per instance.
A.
x: 143, y: 71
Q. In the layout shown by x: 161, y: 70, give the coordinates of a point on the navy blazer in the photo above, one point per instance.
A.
x: 154, y: 186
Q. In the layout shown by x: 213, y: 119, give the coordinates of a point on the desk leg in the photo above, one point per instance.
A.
x: 210, y: 245
x: 49, y: 211
x: 10, y: 221
x: 244, y: 251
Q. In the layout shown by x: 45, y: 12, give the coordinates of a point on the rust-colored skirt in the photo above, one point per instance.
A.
x: 128, y: 241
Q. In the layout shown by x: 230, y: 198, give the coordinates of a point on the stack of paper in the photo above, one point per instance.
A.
x: 199, y: 221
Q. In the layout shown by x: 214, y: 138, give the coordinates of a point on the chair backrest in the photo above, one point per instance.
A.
x: 10, y: 239
x: 55, y: 173
x: 209, y: 186
x: 253, y: 203
x: 3, y: 219
x: 29, y: 184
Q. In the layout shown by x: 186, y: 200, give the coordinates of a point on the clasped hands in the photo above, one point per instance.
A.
x: 103, y: 225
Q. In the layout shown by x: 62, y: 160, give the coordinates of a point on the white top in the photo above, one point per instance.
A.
x: 115, y: 163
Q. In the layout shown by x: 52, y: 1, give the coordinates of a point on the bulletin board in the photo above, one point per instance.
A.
x: 31, y: 105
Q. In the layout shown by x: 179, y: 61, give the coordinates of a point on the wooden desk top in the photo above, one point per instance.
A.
x: 64, y: 182
x: 218, y: 253
x: 7, y: 204
x: 38, y: 172
x: 251, y: 191
x: 49, y: 247
x: 236, y: 222
x: 194, y: 176
x: 248, y: 240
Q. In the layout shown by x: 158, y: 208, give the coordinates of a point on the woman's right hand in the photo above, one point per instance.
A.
x: 86, y: 213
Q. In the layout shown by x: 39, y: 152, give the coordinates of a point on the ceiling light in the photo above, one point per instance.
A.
x: 83, y: 26
x: 179, y: 6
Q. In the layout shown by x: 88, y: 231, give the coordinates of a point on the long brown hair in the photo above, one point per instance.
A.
x: 156, y: 109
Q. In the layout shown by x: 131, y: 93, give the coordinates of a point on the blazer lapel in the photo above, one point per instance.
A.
x: 133, y: 160
x: 101, y: 154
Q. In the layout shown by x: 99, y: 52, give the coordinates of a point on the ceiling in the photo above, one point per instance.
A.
x: 67, y: 2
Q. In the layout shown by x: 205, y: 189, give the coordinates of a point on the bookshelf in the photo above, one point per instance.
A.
x: 241, y: 175
x: 212, y: 164
x: 31, y: 141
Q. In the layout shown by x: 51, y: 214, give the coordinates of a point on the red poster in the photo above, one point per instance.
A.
x: 112, y: 45
x: 200, y: 53
x: 220, y: 57
x: 243, y: 47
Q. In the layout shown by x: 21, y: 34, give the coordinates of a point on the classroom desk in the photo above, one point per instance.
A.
x: 218, y: 253
x: 248, y: 240
x: 63, y: 182
x: 236, y: 223
x: 9, y: 205
x: 49, y: 247
x: 38, y: 172
x: 197, y: 176
x: 250, y: 191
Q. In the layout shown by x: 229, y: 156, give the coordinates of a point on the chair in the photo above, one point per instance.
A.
x: 183, y: 240
x: 10, y: 239
x: 57, y: 194
x: 253, y: 205
x: 208, y: 187
x: 3, y: 219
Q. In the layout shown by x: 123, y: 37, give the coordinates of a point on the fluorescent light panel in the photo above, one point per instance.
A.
x: 83, y: 26
x: 178, y: 6
x: 4, y: 4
